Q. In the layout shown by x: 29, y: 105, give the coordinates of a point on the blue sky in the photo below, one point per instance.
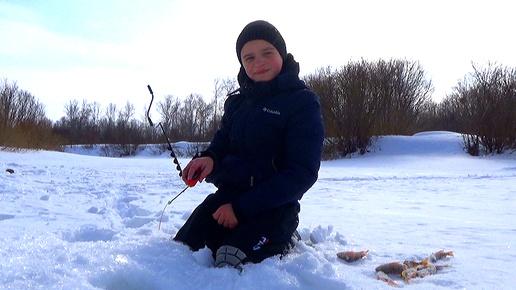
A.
x: 108, y: 51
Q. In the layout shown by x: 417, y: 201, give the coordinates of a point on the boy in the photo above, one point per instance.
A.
x: 263, y: 158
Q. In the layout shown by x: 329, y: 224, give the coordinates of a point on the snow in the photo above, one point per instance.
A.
x: 81, y: 221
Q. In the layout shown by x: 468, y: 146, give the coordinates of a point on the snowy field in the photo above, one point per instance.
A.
x: 77, y: 221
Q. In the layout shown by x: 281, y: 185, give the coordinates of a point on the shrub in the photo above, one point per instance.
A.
x: 484, y: 105
x: 364, y: 99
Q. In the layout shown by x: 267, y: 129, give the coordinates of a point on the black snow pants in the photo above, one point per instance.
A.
x: 260, y: 237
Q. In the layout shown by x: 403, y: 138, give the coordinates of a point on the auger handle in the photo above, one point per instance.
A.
x: 192, y: 182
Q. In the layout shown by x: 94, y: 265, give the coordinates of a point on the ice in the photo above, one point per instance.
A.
x: 81, y: 221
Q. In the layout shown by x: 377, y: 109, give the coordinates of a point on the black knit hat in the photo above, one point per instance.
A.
x: 263, y: 30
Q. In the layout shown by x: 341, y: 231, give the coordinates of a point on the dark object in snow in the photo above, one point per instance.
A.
x: 391, y: 268
x: 412, y: 269
x: 385, y: 278
x: 434, y: 257
x: 9, y: 170
x: 351, y: 256
x: 415, y: 264
x: 422, y: 271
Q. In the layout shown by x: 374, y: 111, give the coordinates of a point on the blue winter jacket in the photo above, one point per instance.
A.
x: 268, y: 148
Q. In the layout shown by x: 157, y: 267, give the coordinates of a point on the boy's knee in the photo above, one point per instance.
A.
x: 230, y: 256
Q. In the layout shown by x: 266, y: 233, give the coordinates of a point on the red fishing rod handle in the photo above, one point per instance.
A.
x: 192, y: 182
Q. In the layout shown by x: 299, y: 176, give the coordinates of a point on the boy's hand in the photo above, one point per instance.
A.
x: 225, y: 216
x: 201, y: 165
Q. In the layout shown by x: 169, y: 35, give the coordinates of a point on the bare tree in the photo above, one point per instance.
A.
x: 22, y: 119
x: 78, y: 125
x: 188, y: 115
x: 485, y: 103
x: 364, y: 99
x: 222, y: 89
x: 128, y: 131
x: 108, y: 124
x: 401, y: 91
x: 203, y: 115
x: 7, y: 103
x: 169, y: 110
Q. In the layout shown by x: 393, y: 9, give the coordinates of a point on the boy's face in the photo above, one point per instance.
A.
x: 262, y: 61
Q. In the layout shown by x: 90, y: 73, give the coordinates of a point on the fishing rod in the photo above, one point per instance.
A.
x: 197, y: 173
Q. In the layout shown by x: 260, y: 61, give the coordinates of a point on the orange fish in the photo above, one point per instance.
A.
x: 384, y: 277
x: 392, y: 268
x: 351, y: 256
x: 414, y: 264
x: 421, y: 271
x: 408, y: 274
x: 440, y: 267
x: 440, y: 255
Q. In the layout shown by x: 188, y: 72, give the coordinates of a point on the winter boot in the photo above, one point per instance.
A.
x: 296, y: 238
x: 230, y: 256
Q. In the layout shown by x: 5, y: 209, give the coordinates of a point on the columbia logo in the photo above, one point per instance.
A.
x: 271, y: 111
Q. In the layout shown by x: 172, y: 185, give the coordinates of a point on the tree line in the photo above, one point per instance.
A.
x: 364, y: 99
x: 359, y: 101
x: 23, y: 123
x: 122, y: 131
x: 483, y: 108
